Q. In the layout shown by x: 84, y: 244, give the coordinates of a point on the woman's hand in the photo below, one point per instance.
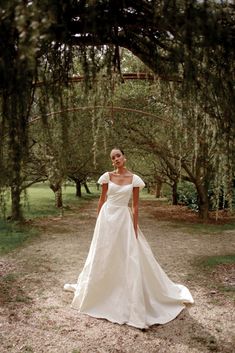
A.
x: 136, y: 233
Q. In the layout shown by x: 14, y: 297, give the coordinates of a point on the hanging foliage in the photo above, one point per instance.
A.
x: 41, y: 39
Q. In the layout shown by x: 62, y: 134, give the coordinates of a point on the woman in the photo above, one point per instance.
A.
x: 121, y: 280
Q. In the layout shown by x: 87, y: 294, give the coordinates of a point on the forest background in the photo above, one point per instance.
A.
x: 157, y: 79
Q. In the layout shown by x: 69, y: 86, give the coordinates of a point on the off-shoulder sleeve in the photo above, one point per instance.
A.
x: 104, y: 178
x: 138, y: 182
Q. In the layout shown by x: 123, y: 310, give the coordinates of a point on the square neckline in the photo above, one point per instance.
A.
x: 121, y: 184
x: 110, y: 181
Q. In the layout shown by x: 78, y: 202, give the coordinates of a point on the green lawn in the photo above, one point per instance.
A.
x: 217, y: 273
x: 38, y: 202
x: 213, y: 261
x: 13, y: 235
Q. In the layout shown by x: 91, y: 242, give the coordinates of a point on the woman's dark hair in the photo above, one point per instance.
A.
x: 117, y: 148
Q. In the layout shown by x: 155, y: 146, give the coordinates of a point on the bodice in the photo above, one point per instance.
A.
x: 119, y: 195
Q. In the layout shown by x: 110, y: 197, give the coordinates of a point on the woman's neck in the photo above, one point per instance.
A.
x: 121, y: 170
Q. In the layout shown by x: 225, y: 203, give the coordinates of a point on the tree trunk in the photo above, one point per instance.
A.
x: 58, y: 198
x: 16, y: 153
x: 78, y: 188
x: 86, y: 188
x: 175, y: 193
x: 57, y: 189
x: 203, y: 202
x: 158, y: 188
x: 16, y: 156
x: 16, y: 212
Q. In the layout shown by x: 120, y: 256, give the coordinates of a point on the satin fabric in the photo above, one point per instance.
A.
x: 121, y: 280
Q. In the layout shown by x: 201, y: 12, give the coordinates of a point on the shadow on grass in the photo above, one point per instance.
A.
x: 217, y: 274
x: 14, y: 235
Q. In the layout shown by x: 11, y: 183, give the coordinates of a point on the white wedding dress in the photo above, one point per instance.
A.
x: 121, y: 280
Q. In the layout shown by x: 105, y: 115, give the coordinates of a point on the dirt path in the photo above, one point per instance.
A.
x: 36, y: 316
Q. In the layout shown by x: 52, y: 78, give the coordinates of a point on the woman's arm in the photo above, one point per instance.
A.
x: 102, y: 196
x: 135, y: 209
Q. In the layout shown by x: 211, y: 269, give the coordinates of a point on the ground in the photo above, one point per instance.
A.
x: 35, y: 313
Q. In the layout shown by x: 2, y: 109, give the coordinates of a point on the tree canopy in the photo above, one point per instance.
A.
x: 189, y: 42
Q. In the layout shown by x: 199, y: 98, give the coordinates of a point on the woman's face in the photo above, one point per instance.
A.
x: 117, y: 158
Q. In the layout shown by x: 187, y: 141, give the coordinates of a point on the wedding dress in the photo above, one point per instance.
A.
x: 121, y: 280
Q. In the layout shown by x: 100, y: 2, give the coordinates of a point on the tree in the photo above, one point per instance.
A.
x: 180, y: 134
x: 23, y: 39
x: 190, y: 41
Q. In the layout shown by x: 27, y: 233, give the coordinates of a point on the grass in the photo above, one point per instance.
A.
x: 213, y: 261
x: 145, y: 195
x: 13, y: 235
x: 39, y: 202
x: 218, y: 272
x: 204, y: 228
